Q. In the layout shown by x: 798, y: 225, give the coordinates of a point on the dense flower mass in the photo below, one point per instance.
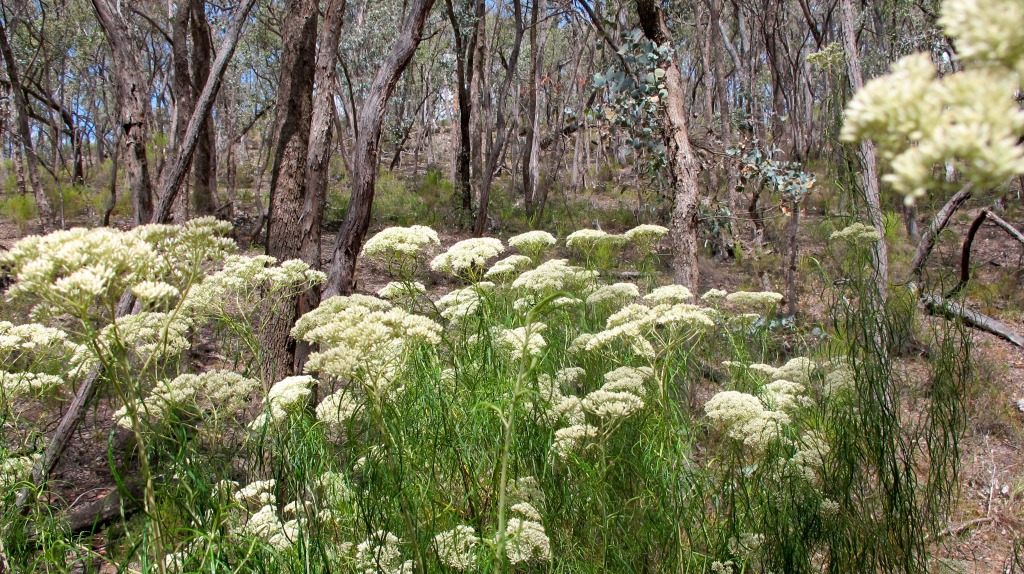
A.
x: 467, y: 256
x: 363, y: 338
x: 527, y: 541
x: 857, y: 233
x: 971, y: 116
x: 400, y: 242
x: 584, y: 239
x: 645, y: 235
x: 456, y: 548
x: 532, y: 243
x: 615, y: 294
x: 508, y: 267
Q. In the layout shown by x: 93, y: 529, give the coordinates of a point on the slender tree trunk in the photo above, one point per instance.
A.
x: 24, y: 133
x: 683, y: 165
x: 465, y: 48
x: 181, y: 89
x: 477, y: 89
x: 869, y: 176
x: 531, y: 163
x: 364, y: 174
x: 288, y: 184
x: 495, y: 148
x: 133, y: 97
x: 204, y: 103
x: 204, y: 164
x: 318, y: 160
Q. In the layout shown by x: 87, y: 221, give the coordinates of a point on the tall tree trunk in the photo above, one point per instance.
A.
x: 465, y: 48
x: 133, y: 97
x: 204, y: 103
x: 364, y: 173
x: 181, y: 89
x: 204, y: 164
x: 288, y: 173
x: 496, y: 147
x: 477, y: 89
x: 869, y: 176
x: 682, y: 164
x: 531, y: 163
x: 24, y: 133
x: 318, y: 160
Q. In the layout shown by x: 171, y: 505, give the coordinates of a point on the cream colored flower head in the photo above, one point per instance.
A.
x: 400, y: 242
x: 532, y: 243
x: 467, y: 256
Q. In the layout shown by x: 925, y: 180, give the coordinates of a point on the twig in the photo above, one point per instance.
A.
x: 956, y: 530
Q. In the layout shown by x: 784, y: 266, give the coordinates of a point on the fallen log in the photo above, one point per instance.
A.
x: 939, y: 306
x: 102, y: 511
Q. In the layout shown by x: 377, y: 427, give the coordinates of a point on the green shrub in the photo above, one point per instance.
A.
x: 20, y: 209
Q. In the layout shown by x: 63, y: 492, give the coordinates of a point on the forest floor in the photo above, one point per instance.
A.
x: 989, y: 514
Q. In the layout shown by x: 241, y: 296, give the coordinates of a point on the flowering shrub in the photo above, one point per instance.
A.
x: 546, y: 420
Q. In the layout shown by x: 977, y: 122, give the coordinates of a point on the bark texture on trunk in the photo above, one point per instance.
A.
x: 683, y: 166
x: 367, y: 149
x: 531, y: 163
x: 318, y: 159
x: 465, y: 47
x: 869, y: 176
x: 204, y: 164
x: 132, y: 94
x: 204, y: 103
x: 288, y: 172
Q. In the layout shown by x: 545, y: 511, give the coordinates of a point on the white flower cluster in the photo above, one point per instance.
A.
x: 31, y: 354
x: 515, y: 343
x: 363, y: 338
x: 16, y: 469
x: 797, y: 369
x: 532, y: 243
x: 266, y: 525
x: 467, y: 256
x: 857, y: 233
x: 380, y: 554
x: 919, y: 120
x: 571, y: 439
x: 628, y: 379
x: 745, y: 418
x: 148, y: 335
x: 526, y: 541
x: 400, y: 242
x: 399, y: 289
x: 156, y: 292
x: 986, y: 31
x: 244, y: 281
x: 456, y: 548
x: 72, y: 271
x: 462, y: 303
x: 286, y: 396
x: 219, y: 394
x: 259, y: 493
x: 615, y: 295
x: 634, y: 323
x: 810, y: 456
x: 552, y: 406
x: 645, y: 236
x: 552, y: 276
x: 669, y: 294
x: 337, y: 408
x: 754, y: 300
x: 508, y: 267
x: 585, y: 240
x: 612, y: 405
